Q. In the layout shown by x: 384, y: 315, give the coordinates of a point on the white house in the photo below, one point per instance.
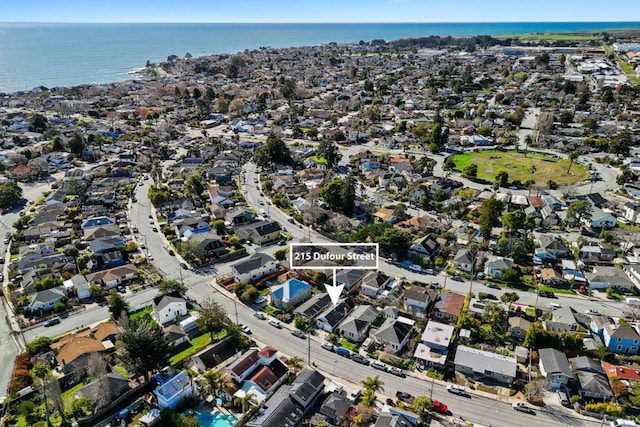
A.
x: 630, y: 212
x: 169, y: 308
x: 554, y: 366
x: 464, y: 261
x: 80, y: 284
x: 174, y: 390
x: 254, y: 268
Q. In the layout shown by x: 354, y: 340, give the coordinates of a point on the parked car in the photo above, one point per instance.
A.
x: 299, y: 334
x: 397, y: 372
x: 344, y: 352
x: 260, y: 315
x: 519, y: 406
x: 405, y: 397
x: 588, y: 311
x: 275, y: 323
x: 150, y: 257
x: 245, y: 329
x: 51, y: 322
x: 376, y: 364
x: 456, y: 389
x: 456, y: 277
x: 327, y: 346
x: 360, y: 359
x: 440, y: 407
x: 184, y: 266
x: 493, y: 286
x: 546, y: 294
x: 154, y: 229
x: 355, y: 395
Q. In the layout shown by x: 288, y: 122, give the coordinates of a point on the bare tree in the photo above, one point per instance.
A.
x: 536, y: 388
x: 544, y: 126
x: 97, y: 369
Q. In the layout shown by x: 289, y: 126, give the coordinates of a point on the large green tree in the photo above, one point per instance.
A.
x: 118, y: 307
x: 76, y: 144
x: 37, y: 123
x: 213, y: 318
x: 579, y: 210
x: 329, y: 151
x: 490, y: 212
x: 144, y: 348
x: 10, y: 194
x: 274, y: 151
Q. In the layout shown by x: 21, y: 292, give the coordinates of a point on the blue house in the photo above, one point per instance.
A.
x: 98, y: 221
x: 175, y: 389
x: 290, y: 294
x: 622, y: 340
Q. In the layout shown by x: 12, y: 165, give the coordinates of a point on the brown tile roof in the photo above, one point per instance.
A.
x: 264, y: 378
x: 268, y: 352
x: 71, y: 347
x: 102, y: 331
x: 245, y: 361
x: 451, y: 303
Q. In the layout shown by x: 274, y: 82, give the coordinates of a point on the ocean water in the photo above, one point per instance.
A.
x: 71, y: 54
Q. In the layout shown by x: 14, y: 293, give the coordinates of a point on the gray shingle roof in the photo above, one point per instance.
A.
x: 482, y: 361
x: 254, y: 261
x: 555, y: 361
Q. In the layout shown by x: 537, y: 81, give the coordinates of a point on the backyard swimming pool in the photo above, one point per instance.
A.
x: 216, y: 419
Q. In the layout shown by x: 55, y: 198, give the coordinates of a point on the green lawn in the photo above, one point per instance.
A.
x: 70, y: 395
x: 555, y: 290
x: 140, y: 313
x: 348, y: 344
x: 189, y: 348
x: 530, y: 311
x: 535, y: 166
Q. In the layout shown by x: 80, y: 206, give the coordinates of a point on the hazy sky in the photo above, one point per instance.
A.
x: 317, y: 11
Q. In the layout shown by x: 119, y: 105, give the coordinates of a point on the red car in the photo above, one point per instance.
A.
x: 440, y: 407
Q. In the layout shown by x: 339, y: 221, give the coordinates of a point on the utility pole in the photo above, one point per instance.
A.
x: 235, y: 306
x: 309, y: 350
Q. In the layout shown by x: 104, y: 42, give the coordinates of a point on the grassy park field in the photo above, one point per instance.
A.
x: 539, y: 167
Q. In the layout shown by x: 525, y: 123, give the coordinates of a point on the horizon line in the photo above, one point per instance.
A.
x: 318, y: 23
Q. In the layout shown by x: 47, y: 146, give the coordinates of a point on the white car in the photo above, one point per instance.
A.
x: 245, y: 329
x: 275, y: 323
x: 327, y: 346
x: 456, y: 389
x: 150, y: 257
x: 592, y: 311
x: 518, y: 406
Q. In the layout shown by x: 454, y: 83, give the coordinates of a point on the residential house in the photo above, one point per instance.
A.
x: 621, y: 339
x: 239, y: 216
x: 594, y: 252
x: 113, y: 276
x: 258, y: 372
x: 290, y: 294
x: 566, y: 319
x: 433, y: 348
x: 388, y: 419
x: 332, y: 317
x: 260, y: 232
x: 386, y: 215
x: 175, y: 335
x: 217, y: 354
x: 630, y: 212
x: 518, y: 327
x: 47, y: 299
x: 394, y: 333
x: 603, y: 277
x: 554, y: 366
x: 189, y: 227
x: 289, y: 405
x: 106, y: 389
x: 356, y: 326
x: 482, y: 364
x: 552, y: 277
x: 72, y: 351
x: 464, y: 261
x: 334, y: 407
x: 169, y: 308
x: 552, y: 246
x: 418, y: 299
x: 210, y: 243
x: 254, y: 268
x: 601, y: 219
x: 373, y: 283
x: 174, y: 390
x: 592, y: 379
x: 314, y: 306
x: 426, y: 246
x: 494, y: 265
x: 97, y: 221
x: 80, y: 285
x: 349, y: 278
x: 448, y: 307
x: 629, y: 374
x: 550, y: 217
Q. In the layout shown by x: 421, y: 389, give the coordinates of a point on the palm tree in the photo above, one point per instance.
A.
x: 295, y: 364
x: 572, y: 157
x: 214, y: 381
x: 245, y: 402
x: 373, y: 383
x: 368, y: 397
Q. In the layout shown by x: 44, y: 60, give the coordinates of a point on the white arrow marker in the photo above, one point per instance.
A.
x: 335, y: 290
